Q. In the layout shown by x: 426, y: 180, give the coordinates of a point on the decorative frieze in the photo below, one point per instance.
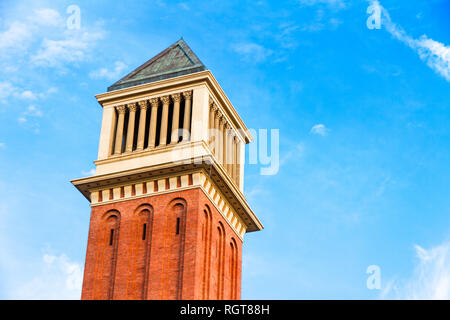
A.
x: 163, y: 185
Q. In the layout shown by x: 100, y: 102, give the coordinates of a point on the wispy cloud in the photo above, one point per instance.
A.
x: 42, y: 39
x: 7, y: 90
x: 252, y: 51
x: 339, y: 4
x: 57, y: 278
x: 435, y: 54
x: 16, y: 36
x: 319, y: 129
x: 72, y: 48
x: 430, y: 279
x: 322, y: 19
x: 23, y: 32
x: 28, y: 118
x: 105, y: 73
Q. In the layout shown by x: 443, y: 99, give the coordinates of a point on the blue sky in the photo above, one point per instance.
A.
x: 362, y: 115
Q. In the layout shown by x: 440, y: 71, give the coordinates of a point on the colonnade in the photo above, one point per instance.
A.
x: 152, y: 123
x: 224, y: 142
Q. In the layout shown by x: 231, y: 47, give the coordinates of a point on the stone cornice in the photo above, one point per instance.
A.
x: 210, y: 167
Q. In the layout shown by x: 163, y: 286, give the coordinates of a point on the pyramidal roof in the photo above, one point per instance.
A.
x: 176, y: 60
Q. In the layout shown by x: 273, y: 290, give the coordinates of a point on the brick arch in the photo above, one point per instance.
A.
x: 174, y: 243
x: 106, y: 255
x: 206, y: 229
x: 139, y: 252
x: 220, y: 259
x: 233, y: 268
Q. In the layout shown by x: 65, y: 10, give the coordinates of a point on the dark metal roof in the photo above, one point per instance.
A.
x: 176, y: 60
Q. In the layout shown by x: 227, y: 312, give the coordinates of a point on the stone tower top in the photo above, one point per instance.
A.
x: 171, y: 116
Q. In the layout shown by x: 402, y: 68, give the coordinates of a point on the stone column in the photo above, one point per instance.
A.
x: 235, y: 159
x: 211, y: 122
x: 152, y: 130
x: 164, y: 120
x: 216, y: 131
x: 119, y: 131
x: 187, y: 115
x: 230, y: 151
x: 130, y: 131
x: 225, y: 144
x: 237, y: 168
x: 176, y: 118
x: 142, y: 122
x: 220, y: 140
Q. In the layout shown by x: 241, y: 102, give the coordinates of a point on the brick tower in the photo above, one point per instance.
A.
x: 168, y: 214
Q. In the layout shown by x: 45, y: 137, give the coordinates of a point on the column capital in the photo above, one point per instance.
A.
x: 154, y: 102
x: 176, y: 97
x: 222, y: 119
x: 165, y: 99
x: 143, y: 104
x: 212, y: 105
x: 132, y: 106
x: 187, y: 95
x: 121, y: 109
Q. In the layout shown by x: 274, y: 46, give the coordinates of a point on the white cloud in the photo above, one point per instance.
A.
x: 74, y: 47
x: 31, y: 112
x: 21, y: 33
x: 2, y: 144
x: 42, y: 38
x: 57, y: 278
x: 28, y: 94
x: 104, y: 73
x: 435, y: 54
x: 17, y: 36
x: 252, y: 51
x: 48, y: 17
x: 6, y: 89
x: 430, y: 279
x: 320, y: 129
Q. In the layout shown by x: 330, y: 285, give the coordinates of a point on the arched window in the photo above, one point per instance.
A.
x: 106, y: 254
x: 206, y: 251
x: 174, y: 241
x: 139, y: 252
x: 220, y: 256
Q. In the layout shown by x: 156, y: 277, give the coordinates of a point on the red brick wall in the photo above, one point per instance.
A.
x: 202, y: 261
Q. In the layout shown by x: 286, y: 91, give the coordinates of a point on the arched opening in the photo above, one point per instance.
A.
x: 206, y: 251
x: 139, y: 252
x: 174, y: 241
x: 106, y: 255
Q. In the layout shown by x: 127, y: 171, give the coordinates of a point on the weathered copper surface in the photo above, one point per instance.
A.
x: 176, y: 60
